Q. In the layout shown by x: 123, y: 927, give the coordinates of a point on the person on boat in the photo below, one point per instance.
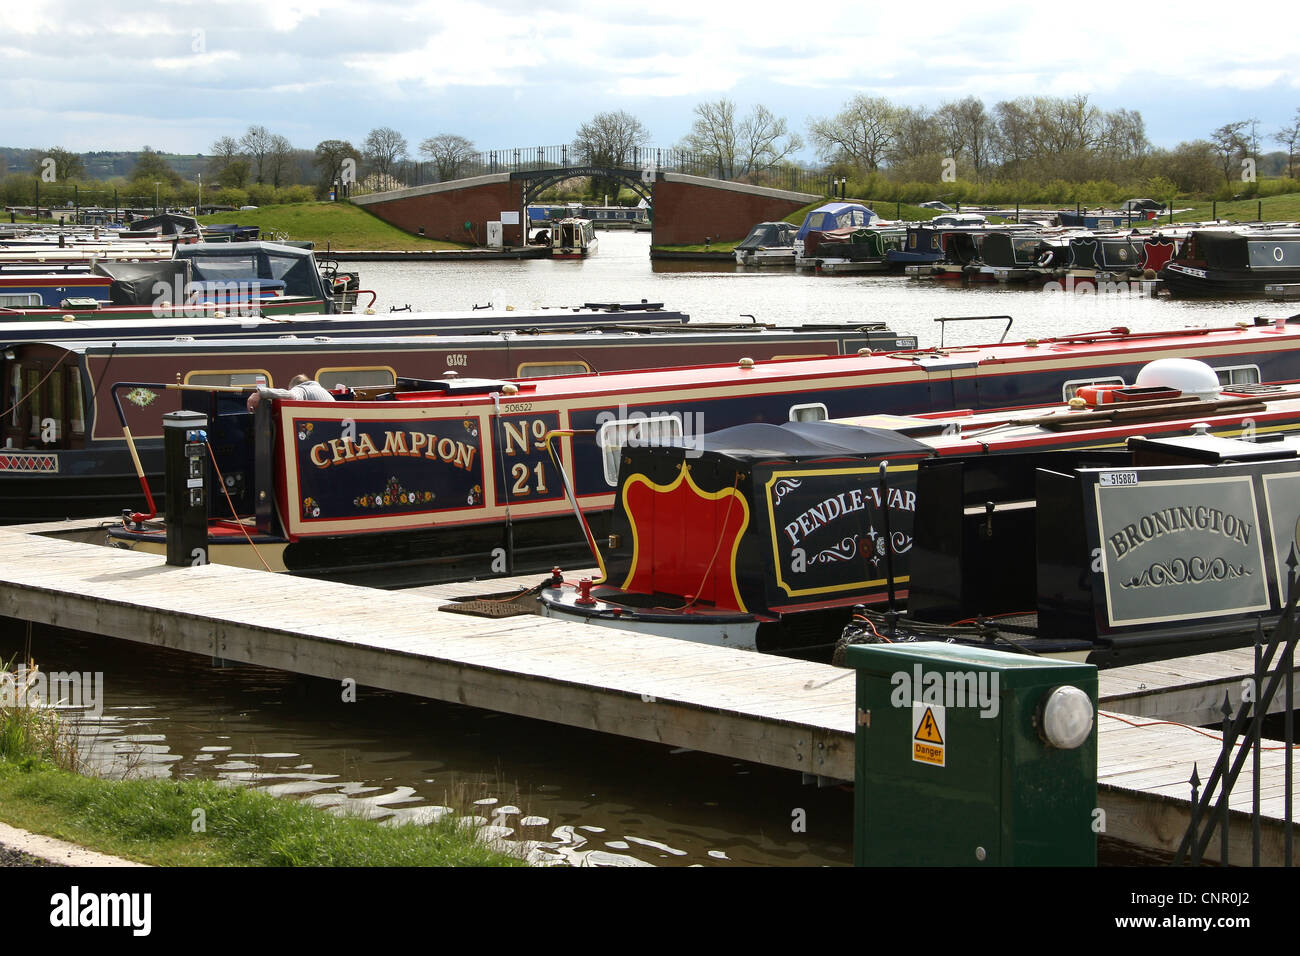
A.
x: 301, y: 389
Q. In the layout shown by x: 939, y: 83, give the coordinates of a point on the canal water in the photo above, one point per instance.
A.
x: 566, y: 796
x: 620, y: 270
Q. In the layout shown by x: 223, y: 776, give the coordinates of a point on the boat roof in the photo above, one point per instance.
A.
x: 757, y: 441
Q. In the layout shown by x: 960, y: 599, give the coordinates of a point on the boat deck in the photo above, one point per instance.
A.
x: 771, y: 710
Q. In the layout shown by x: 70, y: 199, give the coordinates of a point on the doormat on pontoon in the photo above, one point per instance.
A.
x: 492, y: 607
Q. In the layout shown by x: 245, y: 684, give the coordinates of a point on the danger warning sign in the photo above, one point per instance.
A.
x: 929, y: 733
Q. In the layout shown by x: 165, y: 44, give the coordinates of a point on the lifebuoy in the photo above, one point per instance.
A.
x: 1045, y: 259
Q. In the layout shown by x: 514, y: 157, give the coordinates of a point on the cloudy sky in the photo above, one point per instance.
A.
x: 177, y: 74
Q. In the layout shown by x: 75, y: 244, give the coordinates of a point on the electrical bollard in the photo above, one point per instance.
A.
x: 185, y: 451
x: 967, y: 756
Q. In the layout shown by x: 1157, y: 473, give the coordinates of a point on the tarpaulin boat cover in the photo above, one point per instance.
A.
x: 758, y: 441
x: 769, y: 235
x: 168, y: 224
x: 250, y: 261
x: 143, y: 283
x: 836, y: 215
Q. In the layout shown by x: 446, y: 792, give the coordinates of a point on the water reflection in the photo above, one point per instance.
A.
x: 556, y: 795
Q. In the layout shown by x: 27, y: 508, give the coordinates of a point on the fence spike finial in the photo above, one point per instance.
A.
x: 1194, y: 780
x: 1226, y: 709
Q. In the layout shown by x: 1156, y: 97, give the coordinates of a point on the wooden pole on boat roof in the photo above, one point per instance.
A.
x: 1017, y: 210
x: 1214, y: 209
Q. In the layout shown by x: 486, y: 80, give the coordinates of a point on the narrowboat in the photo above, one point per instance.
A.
x: 201, y: 280
x: 858, y: 250
x: 1101, y: 219
x: 38, y: 290
x: 487, y: 492
x: 768, y: 244
x: 925, y: 243
x: 764, y: 536
x: 827, y: 218
x: 1178, y: 545
x: 64, y: 449
x: 573, y: 239
x: 612, y: 317
x: 1233, y: 262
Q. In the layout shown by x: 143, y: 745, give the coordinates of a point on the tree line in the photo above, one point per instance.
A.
x: 1034, y: 144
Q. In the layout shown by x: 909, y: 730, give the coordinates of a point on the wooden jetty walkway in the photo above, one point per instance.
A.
x: 775, y: 711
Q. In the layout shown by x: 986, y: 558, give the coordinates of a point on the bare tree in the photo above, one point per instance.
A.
x: 224, y: 152
x: 918, y: 145
x: 1015, y: 136
x: 861, y: 134
x: 279, y: 160
x: 384, y: 148
x: 763, y: 141
x: 1124, y: 136
x: 256, y: 144
x: 609, y: 139
x: 713, y: 135
x: 448, y: 152
x: 1289, y: 136
x: 1229, y: 144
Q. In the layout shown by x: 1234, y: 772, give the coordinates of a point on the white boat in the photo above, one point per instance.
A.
x: 573, y: 239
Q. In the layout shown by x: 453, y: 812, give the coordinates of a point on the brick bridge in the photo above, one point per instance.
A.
x: 687, y: 208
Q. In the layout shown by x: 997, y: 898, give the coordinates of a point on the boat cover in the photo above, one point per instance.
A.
x: 758, y: 441
x: 136, y: 283
x: 769, y: 235
x: 836, y: 215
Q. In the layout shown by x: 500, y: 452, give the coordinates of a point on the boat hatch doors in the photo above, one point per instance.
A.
x: 946, y: 390
x: 44, y: 401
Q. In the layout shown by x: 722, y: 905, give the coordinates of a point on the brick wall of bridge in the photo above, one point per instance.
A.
x: 443, y: 211
x: 687, y: 208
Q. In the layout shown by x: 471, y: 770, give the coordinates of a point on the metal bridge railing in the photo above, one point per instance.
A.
x: 523, y: 159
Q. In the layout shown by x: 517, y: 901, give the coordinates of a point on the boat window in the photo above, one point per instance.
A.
x: 229, y: 268
x: 15, y: 393
x: 21, y: 300
x: 549, y: 369
x: 633, y: 432
x: 76, y: 407
x: 815, y: 412
x: 35, y: 401
x: 357, y: 377
x: 1071, y: 388
x: 236, y: 377
x: 1238, y: 375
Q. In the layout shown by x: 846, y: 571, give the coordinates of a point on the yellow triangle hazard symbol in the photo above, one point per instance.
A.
x: 929, y: 730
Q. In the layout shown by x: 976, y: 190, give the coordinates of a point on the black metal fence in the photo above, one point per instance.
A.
x: 1274, y: 669
x: 645, y: 159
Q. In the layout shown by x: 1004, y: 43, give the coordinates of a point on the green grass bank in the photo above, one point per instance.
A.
x: 336, y: 226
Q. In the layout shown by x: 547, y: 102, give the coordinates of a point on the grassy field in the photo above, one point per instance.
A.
x: 331, y: 226
x: 1285, y: 207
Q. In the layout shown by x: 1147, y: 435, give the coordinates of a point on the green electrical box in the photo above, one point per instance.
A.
x: 973, y: 757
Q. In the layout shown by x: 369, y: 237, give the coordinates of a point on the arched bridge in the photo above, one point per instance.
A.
x: 689, y: 206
